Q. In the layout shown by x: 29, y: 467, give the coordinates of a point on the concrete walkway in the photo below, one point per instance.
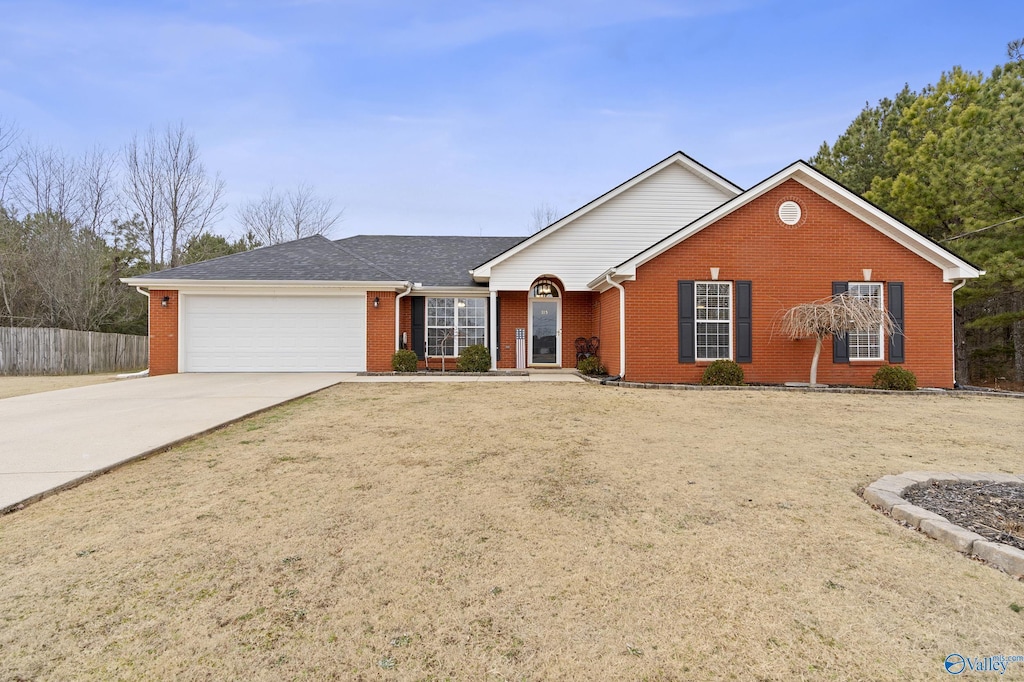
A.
x: 51, y: 440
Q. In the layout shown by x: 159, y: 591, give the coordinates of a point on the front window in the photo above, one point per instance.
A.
x: 866, y: 344
x: 714, y: 320
x: 454, y: 323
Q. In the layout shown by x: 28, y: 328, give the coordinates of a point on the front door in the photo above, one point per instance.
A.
x: 545, y: 332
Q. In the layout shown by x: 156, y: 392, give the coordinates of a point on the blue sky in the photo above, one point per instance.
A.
x: 432, y: 117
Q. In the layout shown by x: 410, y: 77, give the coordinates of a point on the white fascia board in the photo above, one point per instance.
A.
x: 951, y: 265
x: 483, y: 272
x: 184, y: 284
x: 457, y: 292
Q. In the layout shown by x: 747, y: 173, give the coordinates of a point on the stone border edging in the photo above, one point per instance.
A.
x: 887, y: 494
x: 954, y: 393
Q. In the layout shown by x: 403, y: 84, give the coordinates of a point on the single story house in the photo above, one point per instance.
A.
x: 670, y: 270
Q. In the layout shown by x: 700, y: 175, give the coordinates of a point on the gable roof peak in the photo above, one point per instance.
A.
x: 954, y: 267
x: 482, y: 272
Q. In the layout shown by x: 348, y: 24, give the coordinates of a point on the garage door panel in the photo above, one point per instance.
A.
x: 274, y: 333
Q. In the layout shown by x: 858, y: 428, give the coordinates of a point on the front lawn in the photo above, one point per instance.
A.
x: 517, y: 531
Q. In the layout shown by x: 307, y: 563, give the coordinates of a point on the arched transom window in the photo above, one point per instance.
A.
x: 544, y: 289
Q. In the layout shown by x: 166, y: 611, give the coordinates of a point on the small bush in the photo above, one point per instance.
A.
x: 404, y: 361
x: 591, y: 366
x: 893, y: 378
x: 474, y: 359
x: 722, y: 373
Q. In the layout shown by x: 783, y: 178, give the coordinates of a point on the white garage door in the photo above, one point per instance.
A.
x: 274, y: 333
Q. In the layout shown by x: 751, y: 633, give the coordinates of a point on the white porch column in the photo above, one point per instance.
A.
x: 494, y: 329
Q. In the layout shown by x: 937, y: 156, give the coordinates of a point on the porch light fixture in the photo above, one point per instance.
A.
x: 714, y: 274
x: 376, y: 301
x: 164, y: 301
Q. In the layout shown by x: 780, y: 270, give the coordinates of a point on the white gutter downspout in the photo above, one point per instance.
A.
x: 398, y: 316
x: 622, y: 323
x: 952, y: 319
x: 493, y: 317
x: 145, y: 372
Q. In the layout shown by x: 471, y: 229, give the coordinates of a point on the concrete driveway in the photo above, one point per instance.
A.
x: 48, y: 440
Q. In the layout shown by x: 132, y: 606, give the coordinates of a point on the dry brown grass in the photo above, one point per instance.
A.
x: 11, y: 386
x: 517, y: 531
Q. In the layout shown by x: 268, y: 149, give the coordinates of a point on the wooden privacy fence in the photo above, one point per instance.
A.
x: 32, y: 350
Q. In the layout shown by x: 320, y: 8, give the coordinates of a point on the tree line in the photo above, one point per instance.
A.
x: 72, y: 225
x: 949, y: 161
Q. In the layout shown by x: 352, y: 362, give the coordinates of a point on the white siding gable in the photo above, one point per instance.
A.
x: 612, y: 232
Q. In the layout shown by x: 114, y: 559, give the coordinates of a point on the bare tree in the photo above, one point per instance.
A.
x: 275, y: 218
x: 47, y: 183
x: 309, y: 214
x: 542, y: 215
x: 837, y: 314
x: 192, y: 198
x: 9, y: 135
x: 168, y: 187
x: 264, y: 217
x: 97, y: 190
x: 142, y: 191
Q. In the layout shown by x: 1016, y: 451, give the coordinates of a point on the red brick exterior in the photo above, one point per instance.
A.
x: 380, y: 330
x: 578, y: 312
x: 163, y: 333
x: 513, y: 316
x: 787, y: 266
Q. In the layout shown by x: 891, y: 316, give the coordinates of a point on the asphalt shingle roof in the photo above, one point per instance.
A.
x: 430, y: 261
x: 311, y: 258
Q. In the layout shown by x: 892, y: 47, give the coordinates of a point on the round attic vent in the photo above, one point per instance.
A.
x: 789, y: 212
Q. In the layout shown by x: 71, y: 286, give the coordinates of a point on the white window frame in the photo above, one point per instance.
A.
x: 459, y: 340
x: 866, y: 344
x: 697, y: 322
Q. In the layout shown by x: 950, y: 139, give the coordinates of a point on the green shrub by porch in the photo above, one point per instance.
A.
x: 591, y: 366
x: 722, y: 373
x: 474, y: 358
x: 404, y: 361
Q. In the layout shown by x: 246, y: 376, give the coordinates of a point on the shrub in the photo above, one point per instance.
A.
x: 893, y: 378
x: 591, y: 366
x: 404, y: 361
x: 474, y: 359
x: 722, y: 373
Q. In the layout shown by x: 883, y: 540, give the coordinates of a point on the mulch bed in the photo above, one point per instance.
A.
x: 992, y: 510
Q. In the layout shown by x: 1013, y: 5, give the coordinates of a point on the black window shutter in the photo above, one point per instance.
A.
x: 419, y: 322
x: 840, y: 342
x: 896, y: 336
x: 744, y: 330
x: 687, y: 339
x: 497, y: 326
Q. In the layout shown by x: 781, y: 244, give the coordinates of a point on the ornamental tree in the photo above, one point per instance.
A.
x: 837, y: 314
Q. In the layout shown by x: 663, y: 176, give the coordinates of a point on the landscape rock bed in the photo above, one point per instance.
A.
x: 987, y: 501
x: 993, y: 510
